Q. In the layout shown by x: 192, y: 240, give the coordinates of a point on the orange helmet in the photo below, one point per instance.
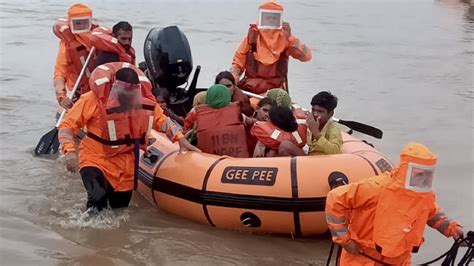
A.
x: 270, y: 16
x: 416, y: 168
x: 79, y: 18
x: 271, y: 5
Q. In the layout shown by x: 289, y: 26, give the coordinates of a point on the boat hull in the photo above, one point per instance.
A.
x: 280, y: 195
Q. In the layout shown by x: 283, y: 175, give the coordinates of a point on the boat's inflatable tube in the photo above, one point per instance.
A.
x: 283, y: 195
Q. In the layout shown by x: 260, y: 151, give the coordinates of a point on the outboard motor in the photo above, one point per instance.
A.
x: 169, y: 63
x: 168, y: 56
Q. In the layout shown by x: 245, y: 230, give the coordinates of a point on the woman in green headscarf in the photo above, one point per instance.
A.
x: 217, y: 96
x: 218, y: 124
x: 280, y: 97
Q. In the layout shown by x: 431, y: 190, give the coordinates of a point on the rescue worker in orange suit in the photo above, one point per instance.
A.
x: 384, y: 217
x: 263, y: 54
x: 114, y: 45
x: 118, y: 113
x: 74, y: 47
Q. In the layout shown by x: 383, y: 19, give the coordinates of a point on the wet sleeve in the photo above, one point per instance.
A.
x: 164, y: 124
x: 438, y: 220
x: 339, y: 203
x: 75, y: 119
x: 331, y: 142
x: 298, y: 50
x: 240, y: 56
x: 60, y: 72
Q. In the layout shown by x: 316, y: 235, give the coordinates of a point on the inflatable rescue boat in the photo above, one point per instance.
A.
x: 280, y: 195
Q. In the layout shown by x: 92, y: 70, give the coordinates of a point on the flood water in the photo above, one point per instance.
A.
x: 403, y: 66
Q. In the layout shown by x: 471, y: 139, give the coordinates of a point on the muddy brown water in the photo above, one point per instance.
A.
x: 403, y: 66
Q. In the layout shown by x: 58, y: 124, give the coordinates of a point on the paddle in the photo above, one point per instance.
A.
x: 357, y: 126
x: 49, y: 143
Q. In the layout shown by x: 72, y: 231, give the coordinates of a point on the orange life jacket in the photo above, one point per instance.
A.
x: 220, y: 131
x: 259, y: 78
x: 271, y: 136
x: 300, y: 116
x: 76, y: 52
x: 120, y: 132
x: 103, y: 40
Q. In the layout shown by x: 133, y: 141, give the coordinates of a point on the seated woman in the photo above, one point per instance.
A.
x: 281, y: 98
x: 281, y: 127
x: 227, y: 79
x: 218, y: 124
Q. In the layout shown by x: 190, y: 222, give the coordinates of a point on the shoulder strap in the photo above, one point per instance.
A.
x: 252, y: 37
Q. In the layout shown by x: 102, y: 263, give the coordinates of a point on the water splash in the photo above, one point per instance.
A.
x: 76, y: 217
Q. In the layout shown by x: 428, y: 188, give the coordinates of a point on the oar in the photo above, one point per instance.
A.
x: 354, y: 125
x: 49, y: 143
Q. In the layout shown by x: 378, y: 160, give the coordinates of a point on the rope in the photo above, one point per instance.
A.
x: 453, y: 251
x: 450, y: 255
x: 328, y: 262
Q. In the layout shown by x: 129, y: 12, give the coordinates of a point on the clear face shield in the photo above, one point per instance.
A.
x: 270, y: 19
x: 124, y: 97
x: 419, y: 177
x: 80, y: 24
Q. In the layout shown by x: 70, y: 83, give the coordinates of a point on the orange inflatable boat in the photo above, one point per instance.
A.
x: 282, y: 195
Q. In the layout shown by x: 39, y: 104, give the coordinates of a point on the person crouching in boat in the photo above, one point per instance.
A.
x: 227, y: 79
x: 163, y: 99
x: 272, y: 134
x: 383, y: 218
x: 75, y: 44
x: 114, y: 45
x: 218, y: 124
x: 262, y: 113
x: 263, y: 54
x: 324, y: 136
x: 118, y: 113
x: 282, y: 126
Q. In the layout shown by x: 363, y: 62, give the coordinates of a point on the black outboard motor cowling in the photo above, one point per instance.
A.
x: 168, y: 57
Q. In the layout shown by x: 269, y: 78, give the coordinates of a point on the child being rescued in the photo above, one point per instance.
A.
x: 286, y: 134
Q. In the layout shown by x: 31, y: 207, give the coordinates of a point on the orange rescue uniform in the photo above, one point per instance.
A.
x: 73, y: 50
x: 263, y: 55
x: 386, y: 220
x: 118, y: 169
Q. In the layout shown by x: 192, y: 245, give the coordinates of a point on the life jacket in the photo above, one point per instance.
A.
x: 271, y: 136
x: 119, y: 133
x: 103, y: 40
x: 220, y: 131
x: 259, y: 78
x: 76, y: 52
